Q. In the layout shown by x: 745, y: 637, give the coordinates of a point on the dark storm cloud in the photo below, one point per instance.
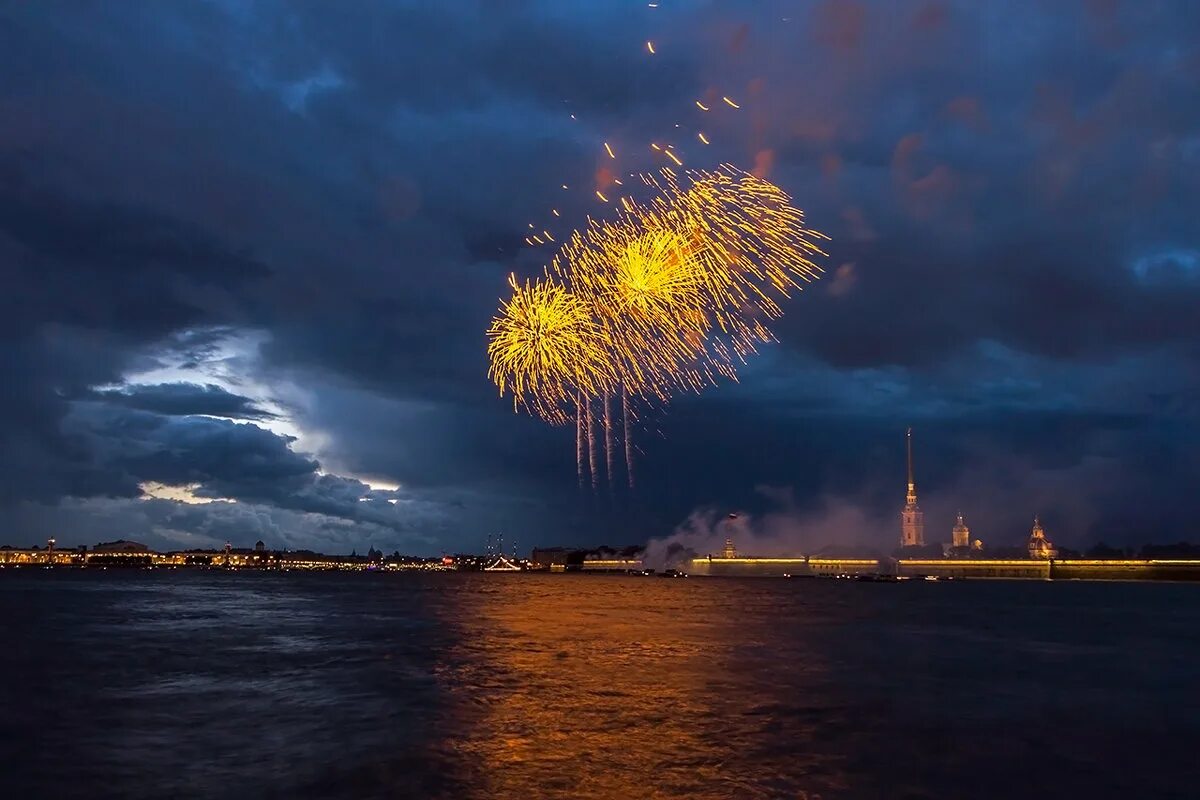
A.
x: 1011, y: 189
x: 183, y: 399
x: 110, y: 239
x: 220, y: 459
x: 171, y: 525
x: 141, y: 446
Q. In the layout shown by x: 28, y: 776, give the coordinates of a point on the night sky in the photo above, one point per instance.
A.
x: 250, y: 253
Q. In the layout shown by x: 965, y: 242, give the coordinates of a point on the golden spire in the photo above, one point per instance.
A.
x: 912, y: 486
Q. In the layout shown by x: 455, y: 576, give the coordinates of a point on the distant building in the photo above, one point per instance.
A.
x: 120, y: 546
x: 1039, y: 546
x: 543, y: 557
x: 912, y: 519
x: 961, y: 535
x: 38, y: 555
x: 560, y: 559
x: 729, y: 551
x: 259, y: 546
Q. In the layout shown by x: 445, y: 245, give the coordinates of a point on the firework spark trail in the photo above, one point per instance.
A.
x: 637, y: 278
x: 626, y: 440
x: 579, y: 438
x: 591, y: 438
x: 673, y: 294
x: 608, y: 440
x: 545, y: 347
x: 681, y: 285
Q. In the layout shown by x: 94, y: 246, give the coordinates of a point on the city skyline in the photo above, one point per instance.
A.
x: 250, y: 264
x: 696, y: 399
x: 912, y: 530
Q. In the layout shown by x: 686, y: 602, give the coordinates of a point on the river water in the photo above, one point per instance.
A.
x: 203, y: 684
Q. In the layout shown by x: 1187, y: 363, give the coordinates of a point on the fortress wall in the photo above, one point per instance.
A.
x: 1128, y: 570
x: 981, y: 568
x: 748, y: 567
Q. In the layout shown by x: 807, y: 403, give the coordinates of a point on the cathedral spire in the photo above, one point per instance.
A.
x: 912, y: 485
x: 912, y: 521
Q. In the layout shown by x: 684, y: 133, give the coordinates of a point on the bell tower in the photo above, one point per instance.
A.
x: 912, y: 519
x: 961, y: 535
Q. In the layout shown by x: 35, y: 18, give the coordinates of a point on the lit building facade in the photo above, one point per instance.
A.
x: 912, y: 519
x: 730, y: 551
x: 961, y: 535
x: 1039, y: 546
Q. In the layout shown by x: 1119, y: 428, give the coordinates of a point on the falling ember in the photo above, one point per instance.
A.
x: 730, y: 103
x: 554, y: 211
x: 591, y: 444
x: 652, y: 144
x: 611, y: 154
x: 626, y: 440
x: 608, y: 439
x: 601, y: 195
x: 579, y: 438
x: 673, y: 157
x: 650, y: 47
x: 701, y: 106
x: 547, y: 235
x: 702, y: 137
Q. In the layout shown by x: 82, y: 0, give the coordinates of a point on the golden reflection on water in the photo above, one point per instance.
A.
x: 615, y: 687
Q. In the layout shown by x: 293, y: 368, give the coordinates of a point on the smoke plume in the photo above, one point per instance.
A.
x: 837, y: 525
